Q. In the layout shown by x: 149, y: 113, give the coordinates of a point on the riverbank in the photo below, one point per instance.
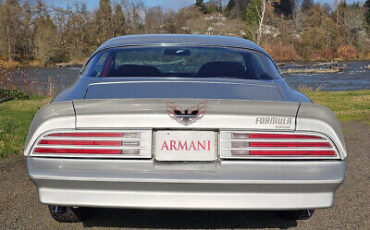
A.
x: 26, y: 64
x: 16, y: 116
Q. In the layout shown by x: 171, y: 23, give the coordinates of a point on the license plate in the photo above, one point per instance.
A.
x: 185, y: 146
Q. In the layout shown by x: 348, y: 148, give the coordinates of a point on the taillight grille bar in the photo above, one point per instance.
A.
x: 77, y: 143
x: 260, y: 145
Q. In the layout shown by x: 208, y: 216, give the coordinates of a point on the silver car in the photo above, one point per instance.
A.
x: 184, y: 122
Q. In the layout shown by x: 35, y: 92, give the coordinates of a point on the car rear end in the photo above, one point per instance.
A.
x: 184, y: 122
x: 239, y: 155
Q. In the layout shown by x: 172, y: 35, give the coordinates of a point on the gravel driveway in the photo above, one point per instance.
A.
x: 20, y: 209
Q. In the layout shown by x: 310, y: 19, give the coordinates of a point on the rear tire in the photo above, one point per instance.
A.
x: 68, y: 214
x: 298, y: 214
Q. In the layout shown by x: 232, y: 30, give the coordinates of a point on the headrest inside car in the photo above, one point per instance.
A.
x: 222, y: 69
x: 135, y: 71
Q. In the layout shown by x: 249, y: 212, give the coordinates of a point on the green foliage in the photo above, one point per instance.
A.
x: 237, y: 9
x: 104, y: 21
x: 252, y: 19
x: 14, y: 94
x: 15, y: 120
x: 213, y: 6
x: 118, y: 21
x: 285, y: 7
x: 200, y: 4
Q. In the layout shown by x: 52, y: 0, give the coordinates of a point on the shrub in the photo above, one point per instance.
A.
x: 282, y: 52
x: 347, y: 52
x: 5, y: 93
x: 307, y: 90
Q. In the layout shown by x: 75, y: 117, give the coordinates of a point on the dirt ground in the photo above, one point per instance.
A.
x: 20, y: 209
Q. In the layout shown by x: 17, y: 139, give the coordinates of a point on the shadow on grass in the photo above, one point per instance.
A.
x: 170, y: 219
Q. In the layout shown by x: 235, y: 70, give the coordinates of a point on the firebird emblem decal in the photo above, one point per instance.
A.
x: 186, y: 116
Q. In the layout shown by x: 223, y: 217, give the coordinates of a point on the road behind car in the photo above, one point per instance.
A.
x: 20, y: 208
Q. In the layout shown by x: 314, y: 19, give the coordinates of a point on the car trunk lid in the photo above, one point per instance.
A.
x: 190, y: 88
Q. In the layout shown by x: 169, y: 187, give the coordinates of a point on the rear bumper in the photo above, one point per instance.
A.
x: 227, y: 185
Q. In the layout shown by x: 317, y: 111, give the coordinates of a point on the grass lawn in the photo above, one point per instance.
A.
x: 15, y: 120
x: 347, y: 105
x: 16, y: 116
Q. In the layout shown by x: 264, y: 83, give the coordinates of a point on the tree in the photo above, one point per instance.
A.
x: 213, y: 6
x: 118, y: 21
x: 252, y: 19
x: 200, y: 4
x: 27, y: 22
x: 307, y: 5
x: 261, y: 16
x: 285, y: 7
x: 367, y: 19
x: 104, y: 21
x: 154, y: 19
x: 77, y: 33
x: 237, y: 9
x: 133, y: 10
x: 45, y: 39
x: 10, y: 25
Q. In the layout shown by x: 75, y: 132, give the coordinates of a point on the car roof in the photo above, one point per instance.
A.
x: 180, y: 39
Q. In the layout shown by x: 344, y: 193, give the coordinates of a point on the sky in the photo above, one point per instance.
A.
x: 165, y: 4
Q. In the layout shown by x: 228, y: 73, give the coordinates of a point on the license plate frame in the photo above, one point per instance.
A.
x: 177, y: 145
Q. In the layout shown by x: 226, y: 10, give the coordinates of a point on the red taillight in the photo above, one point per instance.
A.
x: 85, y: 135
x: 289, y: 144
x: 276, y: 145
x: 79, y: 142
x: 283, y: 136
x: 292, y: 153
x: 78, y: 151
x: 124, y: 144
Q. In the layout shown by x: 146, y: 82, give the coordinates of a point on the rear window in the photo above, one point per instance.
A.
x: 195, y: 62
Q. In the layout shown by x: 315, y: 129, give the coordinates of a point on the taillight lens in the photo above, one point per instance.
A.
x: 117, y: 144
x: 275, y: 145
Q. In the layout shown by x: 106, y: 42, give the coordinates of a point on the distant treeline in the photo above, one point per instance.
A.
x: 288, y: 29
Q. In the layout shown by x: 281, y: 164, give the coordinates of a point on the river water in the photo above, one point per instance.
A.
x: 51, y: 81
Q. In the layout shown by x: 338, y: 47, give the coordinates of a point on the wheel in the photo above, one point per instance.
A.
x: 68, y: 214
x: 298, y: 214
